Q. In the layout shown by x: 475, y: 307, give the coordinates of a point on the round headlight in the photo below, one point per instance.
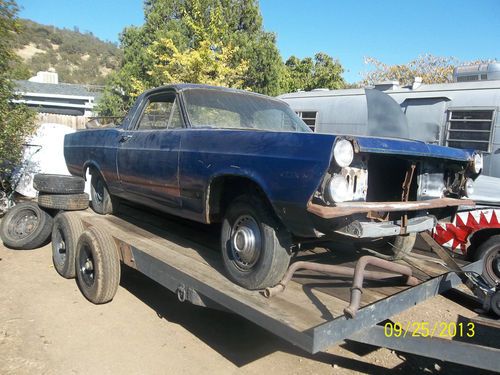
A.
x: 469, y: 187
x: 343, y: 152
x: 478, y: 163
x: 338, y: 189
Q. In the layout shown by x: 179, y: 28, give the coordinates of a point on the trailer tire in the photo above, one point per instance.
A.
x: 97, y: 265
x: 65, y: 234
x: 25, y: 226
x: 102, y: 201
x: 58, y: 184
x: 255, y: 245
x: 489, y: 250
x: 66, y: 202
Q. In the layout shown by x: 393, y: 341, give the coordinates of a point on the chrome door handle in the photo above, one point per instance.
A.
x: 124, y: 138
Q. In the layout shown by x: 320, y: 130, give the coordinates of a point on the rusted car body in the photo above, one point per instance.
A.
x: 201, y: 152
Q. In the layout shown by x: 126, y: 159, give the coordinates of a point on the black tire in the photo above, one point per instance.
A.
x: 489, y: 251
x: 66, y: 202
x: 495, y: 304
x: 58, y: 184
x: 102, y: 201
x: 390, y: 248
x: 97, y: 265
x: 65, y: 234
x: 26, y: 226
x: 264, y: 264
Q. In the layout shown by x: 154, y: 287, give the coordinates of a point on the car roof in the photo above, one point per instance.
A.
x: 179, y: 87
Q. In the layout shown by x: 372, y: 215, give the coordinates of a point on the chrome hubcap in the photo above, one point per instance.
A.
x: 245, y: 242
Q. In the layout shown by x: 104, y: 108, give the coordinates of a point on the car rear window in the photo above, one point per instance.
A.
x: 210, y: 108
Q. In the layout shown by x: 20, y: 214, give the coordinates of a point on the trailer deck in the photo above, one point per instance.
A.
x: 184, y: 257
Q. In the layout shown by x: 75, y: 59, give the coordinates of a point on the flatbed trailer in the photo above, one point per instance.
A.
x: 180, y: 256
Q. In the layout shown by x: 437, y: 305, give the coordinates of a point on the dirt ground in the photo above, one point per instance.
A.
x: 48, y: 327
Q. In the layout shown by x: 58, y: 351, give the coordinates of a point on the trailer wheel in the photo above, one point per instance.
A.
x: 25, y: 226
x: 67, y: 229
x: 97, y: 265
x: 489, y: 251
x: 58, y: 184
x: 255, y: 246
x: 102, y: 201
x: 66, y: 202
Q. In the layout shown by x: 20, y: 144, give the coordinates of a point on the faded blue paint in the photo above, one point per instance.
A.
x: 171, y: 170
x: 411, y: 148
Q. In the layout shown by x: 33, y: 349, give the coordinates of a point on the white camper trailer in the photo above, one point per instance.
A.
x: 462, y: 114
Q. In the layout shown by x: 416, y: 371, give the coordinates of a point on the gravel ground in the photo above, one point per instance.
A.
x: 47, y: 327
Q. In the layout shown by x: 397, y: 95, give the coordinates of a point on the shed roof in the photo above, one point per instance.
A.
x: 69, y: 89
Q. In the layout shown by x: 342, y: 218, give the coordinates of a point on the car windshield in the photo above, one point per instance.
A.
x: 209, y: 108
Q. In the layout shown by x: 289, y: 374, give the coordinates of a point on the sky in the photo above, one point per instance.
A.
x: 394, y: 32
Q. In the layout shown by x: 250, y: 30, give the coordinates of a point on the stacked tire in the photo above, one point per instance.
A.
x: 61, y: 192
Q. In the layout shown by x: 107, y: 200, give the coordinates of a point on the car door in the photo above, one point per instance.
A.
x: 147, y: 157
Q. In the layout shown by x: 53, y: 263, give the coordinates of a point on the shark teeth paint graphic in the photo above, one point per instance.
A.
x: 456, y: 235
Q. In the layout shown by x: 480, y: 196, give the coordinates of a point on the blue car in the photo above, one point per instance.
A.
x: 218, y: 155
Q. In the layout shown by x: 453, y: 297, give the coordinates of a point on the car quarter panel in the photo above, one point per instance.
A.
x: 287, y: 166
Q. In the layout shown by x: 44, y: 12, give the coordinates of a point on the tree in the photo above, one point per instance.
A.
x: 432, y: 69
x: 308, y: 74
x: 16, y: 121
x: 222, y: 34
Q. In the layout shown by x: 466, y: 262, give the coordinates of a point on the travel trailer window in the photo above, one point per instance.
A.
x: 470, y: 128
x: 309, y: 118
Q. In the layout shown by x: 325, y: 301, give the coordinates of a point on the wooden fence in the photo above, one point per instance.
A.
x: 75, y: 122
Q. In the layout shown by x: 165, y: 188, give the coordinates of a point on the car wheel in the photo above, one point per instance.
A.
x: 58, y: 184
x: 391, y: 248
x: 255, y: 245
x: 102, y: 201
x: 489, y: 251
x: 97, y: 265
x: 66, y: 202
x: 26, y: 226
x: 67, y: 229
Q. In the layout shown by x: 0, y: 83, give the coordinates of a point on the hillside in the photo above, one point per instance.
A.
x: 77, y: 57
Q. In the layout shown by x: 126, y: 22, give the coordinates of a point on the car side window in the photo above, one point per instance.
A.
x: 161, y: 112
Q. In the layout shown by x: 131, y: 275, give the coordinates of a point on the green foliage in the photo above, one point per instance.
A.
x: 209, y: 41
x: 432, y: 69
x: 77, y: 57
x: 308, y: 74
x: 208, y: 60
x: 16, y: 121
x: 228, y: 34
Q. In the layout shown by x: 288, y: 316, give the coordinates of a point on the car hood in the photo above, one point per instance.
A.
x: 408, y: 147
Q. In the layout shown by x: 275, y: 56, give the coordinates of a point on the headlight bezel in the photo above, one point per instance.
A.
x: 338, y: 189
x: 477, y: 163
x: 469, y: 187
x: 343, y: 152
